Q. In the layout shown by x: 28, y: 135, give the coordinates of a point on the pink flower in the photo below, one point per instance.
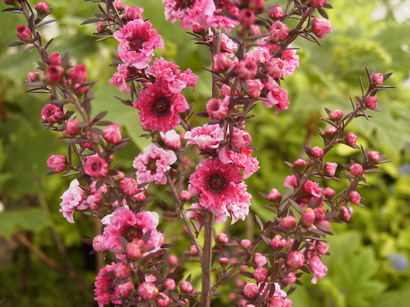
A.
x: 172, y: 139
x: 317, y: 152
x: 291, y: 61
x: 378, y: 78
x: 137, y: 42
x: 278, y: 32
x: 274, y: 194
x: 321, y: 27
x: 121, y: 270
x: 276, y: 12
x: 295, y: 260
x: 42, y: 7
x: 55, y: 59
x: 290, y: 279
x: 277, y: 97
x: 355, y: 197
x: 250, y: 290
x: 186, y: 286
x: 308, y: 217
x: 147, y: 290
x: 206, y: 137
x: 312, y: 188
x: 96, y: 167
x: 71, y: 126
x: 288, y: 222
x: 162, y: 300
x: 319, y: 214
x: 347, y: 212
x: 185, y: 195
x: 51, y: 113
x: 125, y: 289
x: 300, y: 163
x: 351, y: 139
x: 317, y: 3
x: 246, y: 243
x: 240, y: 139
x: 356, y: 169
x: 275, y: 68
x: 120, y: 78
x: 169, y: 76
x: 277, y: 242
x: 112, y: 134
x: 222, y: 238
x: 322, y: 247
x: 78, y: 74
x: 336, y: 114
x: 221, y: 62
x: 242, y: 160
x: 290, y: 182
x: 318, y: 268
x: 374, y: 156
x: 33, y: 76
x: 371, y: 102
x: 24, y: 34
x: 53, y: 74
x: 259, y: 259
x: 169, y: 284
x: 260, y: 274
x: 217, y: 109
x: 72, y: 199
x: 57, y: 163
x: 133, y: 12
x: 192, y: 14
x: 246, y: 17
x: 153, y: 163
x: 246, y: 69
x: 133, y: 250
x: 254, y: 87
x: 330, y: 168
x: 98, y: 244
x: 218, y: 186
x: 328, y: 192
x: 129, y: 186
x: 159, y: 108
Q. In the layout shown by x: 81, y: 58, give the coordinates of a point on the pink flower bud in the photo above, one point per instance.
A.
x: 186, y: 286
x: 172, y: 139
x: 331, y: 130
x: 222, y: 238
x: 169, y: 284
x: 378, y: 78
x: 42, y: 7
x: 57, y: 163
x: 260, y: 274
x: 356, y: 169
x: 112, y: 134
x: 274, y: 194
x: 278, y: 32
x: 78, y: 74
x: 291, y: 182
x: 375, y: 156
x: 121, y: 270
x: 254, y: 88
x: 321, y: 27
x: 295, y: 260
x: 317, y: 152
x: 173, y: 260
x: 53, y: 74
x: 101, y: 27
x: 55, y: 59
x: 355, y: 197
x: 162, y: 300
x: 217, y: 109
x: 319, y: 214
x: 330, y: 168
x: 96, y: 167
x: 223, y: 261
x: 347, y: 212
x: 317, y: 3
x: 259, y: 259
x: 193, y: 250
x: 129, y: 186
x: 276, y: 12
x: 290, y: 279
x: 246, y: 17
x: 371, y: 102
x: 221, y: 62
x: 336, y: 114
x: 240, y: 139
x: 351, y: 139
x: 329, y: 192
x: 24, y: 34
x: 275, y: 68
x: 322, y: 247
x: 250, y: 290
x: 246, y: 243
x: 51, y: 113
x: 133, y: 251
x: 33, y: 76
x: 133, y: 12
x: 98, y: 244
x: 147, y: 290
x: 288, y: 222
x: 185, y: 195
x: 119, y: 5
x: 277, y: 242
x: 71, y: 126
x: 8, y: 1
x: 246, y: 69
x: 300, y: 163
x: 256, y: 5
x: 308, y: 217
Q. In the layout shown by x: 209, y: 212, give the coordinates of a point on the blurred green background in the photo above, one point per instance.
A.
x: 369, y: 262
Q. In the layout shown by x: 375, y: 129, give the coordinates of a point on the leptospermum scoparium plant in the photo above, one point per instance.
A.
x: 250, y: 45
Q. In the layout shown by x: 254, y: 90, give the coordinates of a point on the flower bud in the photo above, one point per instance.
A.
x: 331, y: 130
x: 351, y: 139
x: 308, y: 217
x: 112, y: 134
x: 256, y: 5
x: 322, y: 247
x: 78, y: 74
x: 42, y: 7
x: 259, y: 259
x: 217, y: 109
x: 246, y: 17
x: 260, y: 274
x: 336, y: 114
x: 317, y: 3
x: 330, y: 168
x: 98, y: 244
x: 55, y: 59
x: 355, y: 197
x: 33, y: 76
x: 321, y: 27
x: 274, y: 194
x: 223, y: 261
x: 240, y: 139
x: 221, y: 62
x: 278, y: 32
x: 24, y: 34
x: 169, y: 284
x: 290, y: 279
x: 295, y: 260
x: 133, y: 12
x: 246, y: 69
x: 275, y: 68
x: 129, y: 186
x: 300, y: 163
x: 119, y: 5
x: 378, y: 78
x: 288, y: 222
x: 101, y: 27
x: 254, y: 87
x: 51, y: 113
x: 374, y: 156
x: 172, y: 139
x: 71, y: 126
x: 291, y: 182
x: 276, y: 12
x: 53, y: 74
x: 371, y: 102
x: 347, y: 212
x: 277, y: 242
x: 57, y: 163
x: 356, y: 169
x: 193, y: 250
x: 162, y: 300
x: 250, y: 290
x: 186, y: 287
x: 317, y: 152
x: 319, y: 214
x: 96, y: 167
x: 222, y: 238
x: 147, y: 290
x: 133, y: 251
x: 246, y: 243
x: 140, y: 196
x: 121, y: 270
x: 125, y: 289
x: 185, y: 195
x: 329, y: 192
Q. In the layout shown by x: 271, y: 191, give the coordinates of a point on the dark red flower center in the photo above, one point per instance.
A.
x: 132, y: 233
x: 216, y: 183
x: 111, y: 286
x: 161, y: 107
x: 152, y: 165
x: 96, y: 166
x: 136, y: 44
x: 183, y: 4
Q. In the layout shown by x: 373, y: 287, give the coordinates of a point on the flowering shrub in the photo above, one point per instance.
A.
x: 250, y: 45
